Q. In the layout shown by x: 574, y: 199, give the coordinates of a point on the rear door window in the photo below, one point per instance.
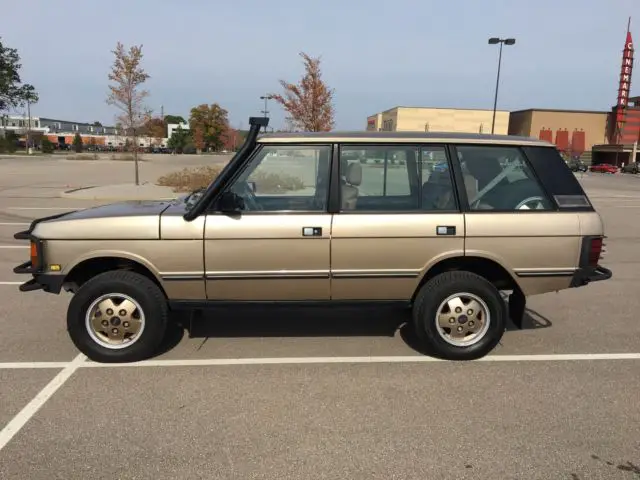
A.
x: 499, y: 179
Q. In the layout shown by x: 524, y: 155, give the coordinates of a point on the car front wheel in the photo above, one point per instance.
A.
x: 459, y: 315
x: 118, y: 316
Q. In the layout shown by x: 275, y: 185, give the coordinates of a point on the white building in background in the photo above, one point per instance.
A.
x: 171, y: 127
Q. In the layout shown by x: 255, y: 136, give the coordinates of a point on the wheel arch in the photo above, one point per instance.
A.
x: 99, y: 262
x: 487, y: 267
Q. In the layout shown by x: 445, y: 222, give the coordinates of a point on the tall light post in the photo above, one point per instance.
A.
x: 265, y: 111
x: 501, y: 41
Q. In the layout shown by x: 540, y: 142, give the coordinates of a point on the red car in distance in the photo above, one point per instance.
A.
x: 604, y: 168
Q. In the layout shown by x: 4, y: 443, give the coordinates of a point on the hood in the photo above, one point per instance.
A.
x: 133, y: 220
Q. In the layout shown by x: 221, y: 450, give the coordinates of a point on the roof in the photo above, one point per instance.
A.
x: 559, y: 110
x: 464, y: 109
x: 398, y: 137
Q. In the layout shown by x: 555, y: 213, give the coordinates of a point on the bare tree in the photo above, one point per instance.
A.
x: 127, y: 95
x: 309, y: 104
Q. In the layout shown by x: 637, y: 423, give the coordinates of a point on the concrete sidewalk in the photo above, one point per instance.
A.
x: 122, y: 192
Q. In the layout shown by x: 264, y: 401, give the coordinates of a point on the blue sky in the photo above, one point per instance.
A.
x: 376, y: 54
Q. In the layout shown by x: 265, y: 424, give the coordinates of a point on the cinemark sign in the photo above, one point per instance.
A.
x: 625, y: 73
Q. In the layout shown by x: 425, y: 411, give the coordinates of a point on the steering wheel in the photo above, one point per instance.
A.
x: 531, y: 203
x: 249, y: 197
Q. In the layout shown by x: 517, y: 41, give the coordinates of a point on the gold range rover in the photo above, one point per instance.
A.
x: 441, y: 223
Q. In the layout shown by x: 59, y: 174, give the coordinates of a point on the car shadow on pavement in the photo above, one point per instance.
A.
x: 255, y: 322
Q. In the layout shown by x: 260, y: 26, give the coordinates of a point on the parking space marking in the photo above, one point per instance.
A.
x: 378, y: 359
x: 14, y: 246
x: 205, y: 362
x: 11, y: 283
x: 20, y: 420
x: 32, y: 365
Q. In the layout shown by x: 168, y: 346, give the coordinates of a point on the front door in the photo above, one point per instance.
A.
x: 278, y: 246
x: 399, y: 216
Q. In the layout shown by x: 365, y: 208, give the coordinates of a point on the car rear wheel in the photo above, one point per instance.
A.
x: 118, y: 316
x: 459, y: 316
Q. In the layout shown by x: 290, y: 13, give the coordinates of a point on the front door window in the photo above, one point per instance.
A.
x: 286, y: 178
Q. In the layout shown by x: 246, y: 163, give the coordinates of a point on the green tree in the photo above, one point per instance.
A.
x: 173, y: 119
x: 13, y: 93
x: 179, y: 139
x: 46, y: 146
x: 209, y: 124
x: 77, y: 143
x: 10, y: 142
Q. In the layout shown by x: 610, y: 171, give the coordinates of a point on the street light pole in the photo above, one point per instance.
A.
x: 265, y: 111
x: 501, y: 41
x: 29, y: 128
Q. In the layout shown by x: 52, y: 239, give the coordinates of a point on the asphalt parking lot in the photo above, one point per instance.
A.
x: 344, y: 394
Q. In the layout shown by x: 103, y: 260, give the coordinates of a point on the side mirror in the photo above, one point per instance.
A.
x: 252, y: 186
x: 230, y: 202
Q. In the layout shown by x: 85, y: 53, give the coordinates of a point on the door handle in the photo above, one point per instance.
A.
x: 445, y: 230
x: 311, y: 231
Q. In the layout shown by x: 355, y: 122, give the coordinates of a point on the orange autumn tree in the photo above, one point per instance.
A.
x: 127, y: 95
x: 309, y: 104
x: 208, y: 124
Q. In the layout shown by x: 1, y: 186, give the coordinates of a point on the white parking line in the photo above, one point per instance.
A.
x: 11, y: 283
x: 325, y: 360
x: 14, y: 246
x: 32, y: 365
x: 19, y: 421
x: 379, y: 359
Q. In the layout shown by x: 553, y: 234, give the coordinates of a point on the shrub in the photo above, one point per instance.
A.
x: 46, y: 146
x: 9, y: 143
x: 189, y: 179
x: 77, y: 143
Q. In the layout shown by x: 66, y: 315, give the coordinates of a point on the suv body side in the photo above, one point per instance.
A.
x: 357, y: 254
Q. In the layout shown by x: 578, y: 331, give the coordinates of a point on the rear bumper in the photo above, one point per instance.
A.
x: 584, y: 276
x: 50, y: 283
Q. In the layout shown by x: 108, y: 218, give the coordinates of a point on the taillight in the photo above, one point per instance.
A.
x: 595, y: 248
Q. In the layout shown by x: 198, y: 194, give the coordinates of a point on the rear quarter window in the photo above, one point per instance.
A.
x: 557, y: 178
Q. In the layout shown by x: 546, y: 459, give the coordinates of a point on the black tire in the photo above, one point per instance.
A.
x: 435, y: 291
x: 144, y: 291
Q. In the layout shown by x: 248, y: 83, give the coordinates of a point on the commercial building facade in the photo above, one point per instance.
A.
x: 573, y: 131
x: 428, y: 119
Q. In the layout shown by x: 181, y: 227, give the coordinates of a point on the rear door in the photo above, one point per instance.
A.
x: 512, y: 219
x: 397, y: 216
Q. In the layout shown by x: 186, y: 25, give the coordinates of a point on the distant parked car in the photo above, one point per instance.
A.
x: 604, y: 168
x: 577, y: 165
x: 631, y: 168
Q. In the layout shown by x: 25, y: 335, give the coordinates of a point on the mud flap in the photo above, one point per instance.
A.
x: 517, y: 304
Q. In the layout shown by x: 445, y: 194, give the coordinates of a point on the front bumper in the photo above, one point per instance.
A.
x: 50, y: 283
x: 585, y: 275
